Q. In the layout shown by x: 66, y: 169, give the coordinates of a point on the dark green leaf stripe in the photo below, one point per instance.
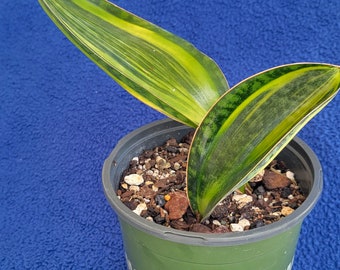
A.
x: 159, y: 68
x: 250, y: 124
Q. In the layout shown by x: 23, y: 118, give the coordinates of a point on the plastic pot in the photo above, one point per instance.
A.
x: 152, y: 246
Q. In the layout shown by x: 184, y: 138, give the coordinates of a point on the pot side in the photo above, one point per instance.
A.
x: 152, y: 246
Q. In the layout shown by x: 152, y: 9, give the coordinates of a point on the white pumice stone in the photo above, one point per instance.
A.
x: 234, y: 227
x: 149, y: 172
x: 244, y: 223
x: 134, y: 188
x: 290, y: 175
x: 177, y: 166
x: 286, y: 211
x: 216, y: 222
x: 140, y: 207
x: 134, y: 179
x: 291, y: 197
x: 242, y: 199
x: 149, y: 218
x: 276, y: 214
x: 258, y: 177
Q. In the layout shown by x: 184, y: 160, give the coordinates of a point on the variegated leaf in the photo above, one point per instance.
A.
x: 157, y: 67
x: 251, y: 124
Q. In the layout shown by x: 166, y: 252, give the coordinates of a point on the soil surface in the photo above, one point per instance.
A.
x: 154, y: 187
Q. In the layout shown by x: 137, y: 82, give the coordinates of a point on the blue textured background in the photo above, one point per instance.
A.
x: 60, y: 117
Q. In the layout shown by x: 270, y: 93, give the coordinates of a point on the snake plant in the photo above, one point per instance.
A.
x: 238, y: 130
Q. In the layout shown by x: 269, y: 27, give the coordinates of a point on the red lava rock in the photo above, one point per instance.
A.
x: 200, y: 228
x: 273, y: 180
x: 221, y: 229
x: 179, y: 225
x: 172, y: 142
x: 177, y: 205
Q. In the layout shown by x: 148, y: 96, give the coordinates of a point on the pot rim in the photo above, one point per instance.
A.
x: 194, y: 238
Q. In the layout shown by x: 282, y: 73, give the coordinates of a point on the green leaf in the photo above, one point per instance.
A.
x: 250, y: 125
x: 159, y: 68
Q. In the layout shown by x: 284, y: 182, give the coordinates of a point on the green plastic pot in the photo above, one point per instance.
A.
x: 152, y: 246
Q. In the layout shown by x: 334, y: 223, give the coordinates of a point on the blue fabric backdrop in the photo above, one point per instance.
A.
x: 60, y: 117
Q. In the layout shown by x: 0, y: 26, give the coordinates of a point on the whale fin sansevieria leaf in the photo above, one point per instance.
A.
x: 159, y: 68
x: 250, y: 125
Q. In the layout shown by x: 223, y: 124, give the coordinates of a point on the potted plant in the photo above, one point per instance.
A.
x: 253, y: 122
